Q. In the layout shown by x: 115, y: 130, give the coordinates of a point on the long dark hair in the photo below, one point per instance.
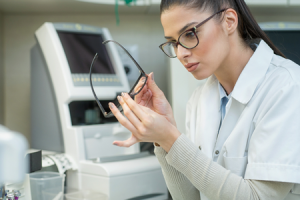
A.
x: 247, y: 25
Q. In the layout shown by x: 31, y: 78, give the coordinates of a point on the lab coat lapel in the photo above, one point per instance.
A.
x: 244, y: 89
x: 208, y: 113
x: 233, y: 110
x: 208, y: 117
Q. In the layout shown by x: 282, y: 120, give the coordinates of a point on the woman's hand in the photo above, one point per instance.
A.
x: 152, y: 97
x: 144, y: 124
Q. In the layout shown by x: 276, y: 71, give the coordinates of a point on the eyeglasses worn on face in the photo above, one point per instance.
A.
x: 106, y: 112
x: 188, y: 39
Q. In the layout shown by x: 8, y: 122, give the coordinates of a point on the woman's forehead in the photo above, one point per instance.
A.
x: 175, y: 18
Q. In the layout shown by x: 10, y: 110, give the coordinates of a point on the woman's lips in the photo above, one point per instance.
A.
x: 191, y: 66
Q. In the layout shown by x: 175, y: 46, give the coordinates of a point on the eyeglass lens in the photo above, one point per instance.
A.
x: 188, y: 40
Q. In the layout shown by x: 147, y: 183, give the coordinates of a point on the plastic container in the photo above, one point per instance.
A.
x: 47, y: 186
x: 85, y: 195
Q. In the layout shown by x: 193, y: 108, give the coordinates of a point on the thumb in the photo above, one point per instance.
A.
x: 127, y: 143
x: 152, y: 85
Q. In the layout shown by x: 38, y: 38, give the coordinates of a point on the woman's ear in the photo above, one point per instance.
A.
x: 230, y: 21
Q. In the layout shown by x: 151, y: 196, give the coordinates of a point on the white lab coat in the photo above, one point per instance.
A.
x: 260, y: 134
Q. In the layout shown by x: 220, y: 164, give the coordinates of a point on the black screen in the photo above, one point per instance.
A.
x: 80, y: 50
x: 288, y: 42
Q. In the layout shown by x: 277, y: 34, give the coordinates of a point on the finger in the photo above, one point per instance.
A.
x: 125, y: 122
x: 140, y: 84
x: 147, y: 97
x: 153, y: 87
x: 134, y: 120
x: 127, y: 143
x: 132, y: 106
x: 144, y: 98
x: 140, y: 95
x: 146, y: 109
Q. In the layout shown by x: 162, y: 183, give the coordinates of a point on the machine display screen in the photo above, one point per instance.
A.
x: 287, y: 42
x: 80, y: 50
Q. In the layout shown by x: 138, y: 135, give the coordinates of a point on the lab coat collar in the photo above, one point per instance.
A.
x: 253, y: 73
x: 221, y: 91
x: 222, y: 94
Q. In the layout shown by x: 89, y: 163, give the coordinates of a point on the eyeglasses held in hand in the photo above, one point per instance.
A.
x: 133, y: 91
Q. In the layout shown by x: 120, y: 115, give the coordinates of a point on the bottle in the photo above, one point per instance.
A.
x: 17, y: 195
x: 10, y: 196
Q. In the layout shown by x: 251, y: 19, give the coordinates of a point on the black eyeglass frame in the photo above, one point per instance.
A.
x: 131, y: 92
x: 193, y: 30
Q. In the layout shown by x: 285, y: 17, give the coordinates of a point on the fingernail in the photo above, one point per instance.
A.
x: 143, y: 80
x: 119, y: 98
x: 152, y: 76
x: 123, y: 94
x: 111, y: 105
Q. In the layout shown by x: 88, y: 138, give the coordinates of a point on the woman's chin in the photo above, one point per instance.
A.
x: 199, y: 75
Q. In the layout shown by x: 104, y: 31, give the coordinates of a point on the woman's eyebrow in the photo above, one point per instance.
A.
x: 182, y: 29
x: 186, y: 26
x: 168, y: 37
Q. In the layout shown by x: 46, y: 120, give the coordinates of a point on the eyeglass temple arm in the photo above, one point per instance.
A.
x: 211, y: 17
x: 97, y: 100
x: 106, y: 41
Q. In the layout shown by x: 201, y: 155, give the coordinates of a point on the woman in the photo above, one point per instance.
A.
x: 243, y: 131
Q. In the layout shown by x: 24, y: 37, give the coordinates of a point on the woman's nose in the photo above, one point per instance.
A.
x: 182, y: 52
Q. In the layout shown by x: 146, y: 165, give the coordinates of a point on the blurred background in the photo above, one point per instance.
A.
x: 139, y: 25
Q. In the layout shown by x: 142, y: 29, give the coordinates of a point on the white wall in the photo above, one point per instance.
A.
x: 1, y: 70
x: 144, y: 30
